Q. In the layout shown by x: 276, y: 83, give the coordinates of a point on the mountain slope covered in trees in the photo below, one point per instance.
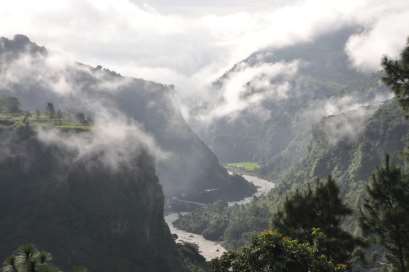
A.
x: 351, y: 161
x: 280, y: 125
x: 189, y: 170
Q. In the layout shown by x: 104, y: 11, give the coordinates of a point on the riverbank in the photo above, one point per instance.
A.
x: 263, y: 187
x: 208, y: 249
x: 211, y: 249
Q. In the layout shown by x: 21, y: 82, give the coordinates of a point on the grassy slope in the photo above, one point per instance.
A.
x: 43, y: 121
x: 245, y: 166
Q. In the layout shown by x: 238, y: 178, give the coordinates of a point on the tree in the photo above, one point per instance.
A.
x: 9, y: 104
x: 273, y: 252
x: 385, y: 213
x: 26, y: 118
x: 50, y: 110
x: 27, y: 258
x: 323, y: 209
x: 396, y: 76
x: 81, y: 118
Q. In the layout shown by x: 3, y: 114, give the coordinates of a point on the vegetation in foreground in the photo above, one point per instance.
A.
x: 272, y: 251
x: 27, y: 258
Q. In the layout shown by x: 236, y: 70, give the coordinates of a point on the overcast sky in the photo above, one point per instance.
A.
x: 191, y: 42
x: 189, y: 7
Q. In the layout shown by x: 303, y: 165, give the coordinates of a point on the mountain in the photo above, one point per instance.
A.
x: 333, y: 120
x: 188, y: 170
x: 80, y: 208
x: 324, y: 83
x: 351, y: 161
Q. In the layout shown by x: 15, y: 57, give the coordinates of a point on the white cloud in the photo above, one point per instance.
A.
x: 385, y: 35
x: 249, y: 85
x: 115, y: 138
x: 191, y: 43
x: 113, y: 141
x: 343, y: 118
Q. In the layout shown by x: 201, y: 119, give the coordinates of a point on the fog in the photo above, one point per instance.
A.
x: 190, y: 44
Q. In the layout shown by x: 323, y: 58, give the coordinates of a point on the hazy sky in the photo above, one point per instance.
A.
x: 191, y: 42
x: 188, y: 7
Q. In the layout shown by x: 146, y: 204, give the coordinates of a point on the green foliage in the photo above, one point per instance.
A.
x: 246, y: 166
x: 396, y: 76
x: 28, y: 258
x: 385, y: 213
x: 11, y: 115
x: 274, y: 252
x: 79, y: 269
x: 320, y: 208
x: 210, y: 222
x: 234, y: 225
x: 351, y: 163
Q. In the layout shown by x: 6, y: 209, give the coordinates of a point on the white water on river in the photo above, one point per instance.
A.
x: 210, y: 249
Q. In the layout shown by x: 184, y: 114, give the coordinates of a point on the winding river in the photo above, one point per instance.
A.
x: 210, y: 249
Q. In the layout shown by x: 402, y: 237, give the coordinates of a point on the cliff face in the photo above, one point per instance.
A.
x: 79, y: 208
x: 190, y: 169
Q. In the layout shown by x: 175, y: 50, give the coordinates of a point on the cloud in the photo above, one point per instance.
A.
x: 385, y: 34
x: 115, y: 138
x: 248, y: 86
x: 124, y: 33
x: 343, y: 118
x: 191, y: 43
x: 113, y: 142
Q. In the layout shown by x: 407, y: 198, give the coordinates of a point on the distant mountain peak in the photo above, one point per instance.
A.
x: 21, y: 44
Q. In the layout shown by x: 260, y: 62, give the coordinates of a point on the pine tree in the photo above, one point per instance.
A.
x: 320, y: 208
x: 396, y: 76
x: 274, y: 252
x: 385, y: 213
x: 50, y: 110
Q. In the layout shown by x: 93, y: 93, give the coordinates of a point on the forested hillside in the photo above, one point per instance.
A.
x: 351, y: 161
x: 279, y: 127
x: 359, y: 224
x: 188, y: 171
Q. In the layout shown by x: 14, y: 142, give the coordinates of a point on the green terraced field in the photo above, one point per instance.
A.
x: 20, y: 119
x: 246, y: 166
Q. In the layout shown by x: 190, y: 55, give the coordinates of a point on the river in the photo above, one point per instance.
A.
x: 210, y: 249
